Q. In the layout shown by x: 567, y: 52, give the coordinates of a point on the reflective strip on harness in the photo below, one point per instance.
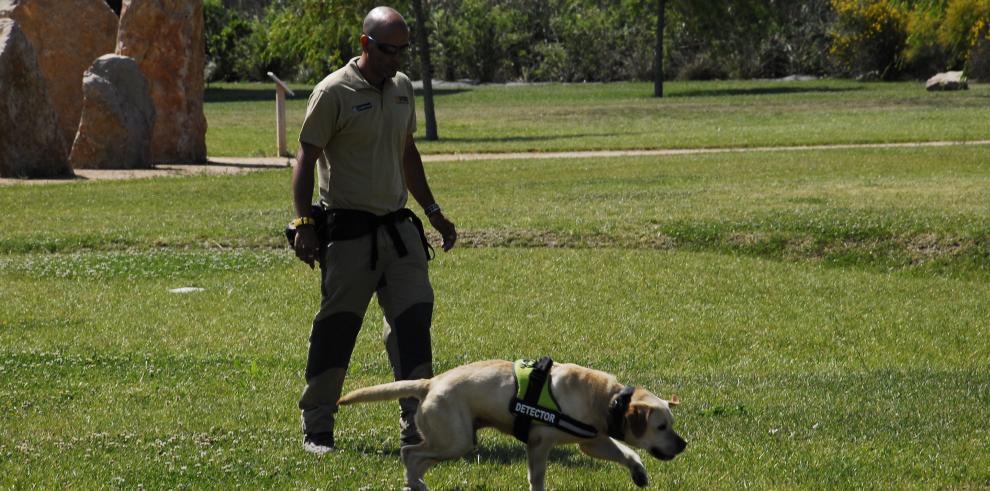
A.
x: 535, y: 402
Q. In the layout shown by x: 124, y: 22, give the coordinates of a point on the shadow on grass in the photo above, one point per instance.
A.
x: 218, y: 94
x: 510, y: 139
x: 512, y: 453
x: 247, y: 95
x: 759, y: 91
x: 504, y: 453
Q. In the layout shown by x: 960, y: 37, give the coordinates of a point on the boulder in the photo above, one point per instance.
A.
x: 117, y: 117
x: 165, y: 38
x: 67, y: 36
x: 30, y: 143
x: 947, y: 81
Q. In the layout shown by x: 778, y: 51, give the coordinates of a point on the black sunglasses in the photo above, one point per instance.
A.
x: 389, y: 49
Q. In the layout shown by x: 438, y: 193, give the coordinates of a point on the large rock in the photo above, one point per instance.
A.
x: 67, y: 36
x: 117, y: 117
x: 947, y: 81
x: 165, y: 37
x: 30, y: 143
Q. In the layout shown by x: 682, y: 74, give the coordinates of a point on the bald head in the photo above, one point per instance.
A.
x: 382, y: 20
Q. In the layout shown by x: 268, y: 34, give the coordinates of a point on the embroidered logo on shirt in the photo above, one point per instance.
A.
x: 361, y: 107
x: 401, y: 99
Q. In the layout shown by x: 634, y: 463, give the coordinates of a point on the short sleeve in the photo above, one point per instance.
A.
x: 412, y: 107
x: 321, y: 114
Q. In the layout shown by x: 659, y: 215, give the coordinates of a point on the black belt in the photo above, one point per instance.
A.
x: 351, y: 224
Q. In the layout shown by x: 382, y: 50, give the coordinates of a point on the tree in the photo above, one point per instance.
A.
x: 658, y: 53
x: 422, y: 39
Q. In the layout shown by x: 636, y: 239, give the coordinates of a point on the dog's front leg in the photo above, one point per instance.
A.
x: 537, y: 452
x: 609, y: 449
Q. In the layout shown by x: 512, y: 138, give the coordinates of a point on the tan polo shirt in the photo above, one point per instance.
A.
x: 363, y: 135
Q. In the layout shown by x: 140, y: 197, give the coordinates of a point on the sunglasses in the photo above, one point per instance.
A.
x: 389, y: 49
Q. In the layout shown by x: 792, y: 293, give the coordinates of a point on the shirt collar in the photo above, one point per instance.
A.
x: 354, y: 80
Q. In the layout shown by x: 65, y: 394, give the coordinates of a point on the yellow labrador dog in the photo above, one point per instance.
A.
x: 456, y: 403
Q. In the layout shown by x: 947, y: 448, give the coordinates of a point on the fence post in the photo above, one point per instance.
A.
x: 280, y: 90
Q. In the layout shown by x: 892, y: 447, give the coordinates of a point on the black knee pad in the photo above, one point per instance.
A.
x: 332, y: 342
x: 412, y: 333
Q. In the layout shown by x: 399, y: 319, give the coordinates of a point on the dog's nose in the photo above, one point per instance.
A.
x: 681, y: 444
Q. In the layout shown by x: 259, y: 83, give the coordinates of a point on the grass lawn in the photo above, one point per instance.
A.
x: 558, y: 117
x: 822, y: 314
x: 792, y: 374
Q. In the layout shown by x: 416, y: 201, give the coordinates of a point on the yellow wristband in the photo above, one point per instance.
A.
x: 302, y: 221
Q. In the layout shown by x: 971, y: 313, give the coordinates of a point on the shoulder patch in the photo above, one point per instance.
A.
x: 361, y: 107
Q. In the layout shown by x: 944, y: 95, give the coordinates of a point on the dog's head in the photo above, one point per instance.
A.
x: 650, y: 425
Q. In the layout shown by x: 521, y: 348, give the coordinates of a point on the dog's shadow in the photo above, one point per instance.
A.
x: 507, y: 453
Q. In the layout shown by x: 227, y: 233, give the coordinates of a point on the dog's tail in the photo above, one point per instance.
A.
x: 388, y: 392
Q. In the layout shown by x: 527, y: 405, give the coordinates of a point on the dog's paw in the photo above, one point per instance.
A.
x: 640, y: 478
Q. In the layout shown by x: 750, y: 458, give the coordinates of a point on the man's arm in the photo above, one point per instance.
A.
x: 307, y: 245
x: 412, y: 166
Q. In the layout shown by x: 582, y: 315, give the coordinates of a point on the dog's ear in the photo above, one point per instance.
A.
x: 636, y: 416
x: 674, y: 401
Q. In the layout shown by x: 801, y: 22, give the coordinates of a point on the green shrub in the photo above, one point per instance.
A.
x: 870, y: 38
x: 234, y: 45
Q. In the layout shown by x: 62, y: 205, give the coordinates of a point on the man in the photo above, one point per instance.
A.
x: 360, y: 120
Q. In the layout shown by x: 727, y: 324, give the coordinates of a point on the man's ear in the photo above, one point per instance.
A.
x: 636, y: 416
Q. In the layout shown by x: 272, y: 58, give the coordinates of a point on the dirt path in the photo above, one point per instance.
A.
x: 240, y: 165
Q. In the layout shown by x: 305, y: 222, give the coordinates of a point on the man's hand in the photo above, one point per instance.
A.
x: 446, y: 229
x: 307, y: 246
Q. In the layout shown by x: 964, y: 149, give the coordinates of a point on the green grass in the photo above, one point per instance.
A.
x: 821, y: 313
x: 922, y: 209
x: 555, y: 117
x: 792, y: 375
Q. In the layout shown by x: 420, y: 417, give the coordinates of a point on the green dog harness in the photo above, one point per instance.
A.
x: 535, y: 402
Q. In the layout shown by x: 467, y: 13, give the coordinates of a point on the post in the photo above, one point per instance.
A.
x: 280, y: 90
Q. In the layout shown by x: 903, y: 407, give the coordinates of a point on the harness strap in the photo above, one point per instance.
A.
x: 617, y: 412
x: 528, y: 408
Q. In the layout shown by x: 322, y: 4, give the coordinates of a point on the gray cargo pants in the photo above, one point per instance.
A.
x: 405, y: 295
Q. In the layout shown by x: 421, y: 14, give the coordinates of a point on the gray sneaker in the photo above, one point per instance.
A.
x: 318, y: 443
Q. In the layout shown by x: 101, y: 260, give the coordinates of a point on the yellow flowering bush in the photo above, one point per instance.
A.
x: 869, y: 37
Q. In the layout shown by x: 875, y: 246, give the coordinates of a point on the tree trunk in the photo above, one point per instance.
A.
x: 426, y: 69
x: 658, y: 53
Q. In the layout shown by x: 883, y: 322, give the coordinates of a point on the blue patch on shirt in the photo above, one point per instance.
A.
x: 361, y: 107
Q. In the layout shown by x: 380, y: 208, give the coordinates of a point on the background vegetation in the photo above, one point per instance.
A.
x: 607, y: 40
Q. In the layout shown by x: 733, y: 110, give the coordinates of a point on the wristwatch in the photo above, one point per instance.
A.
x: 431, y: 209
x: 303, y: 221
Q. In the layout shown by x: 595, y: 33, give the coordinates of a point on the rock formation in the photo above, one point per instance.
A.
x: 117, y: 117
x: 165, y: 38
x: 31, y: 144
x: 947, y: 81
x: 67, y: 35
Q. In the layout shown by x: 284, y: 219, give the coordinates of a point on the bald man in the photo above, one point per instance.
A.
x: 359, y: 125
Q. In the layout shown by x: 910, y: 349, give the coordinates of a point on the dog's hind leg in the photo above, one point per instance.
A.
x: 447, y: 434
x: 609, y: 449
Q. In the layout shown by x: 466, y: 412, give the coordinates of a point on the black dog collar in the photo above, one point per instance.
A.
x: 617, y: 412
